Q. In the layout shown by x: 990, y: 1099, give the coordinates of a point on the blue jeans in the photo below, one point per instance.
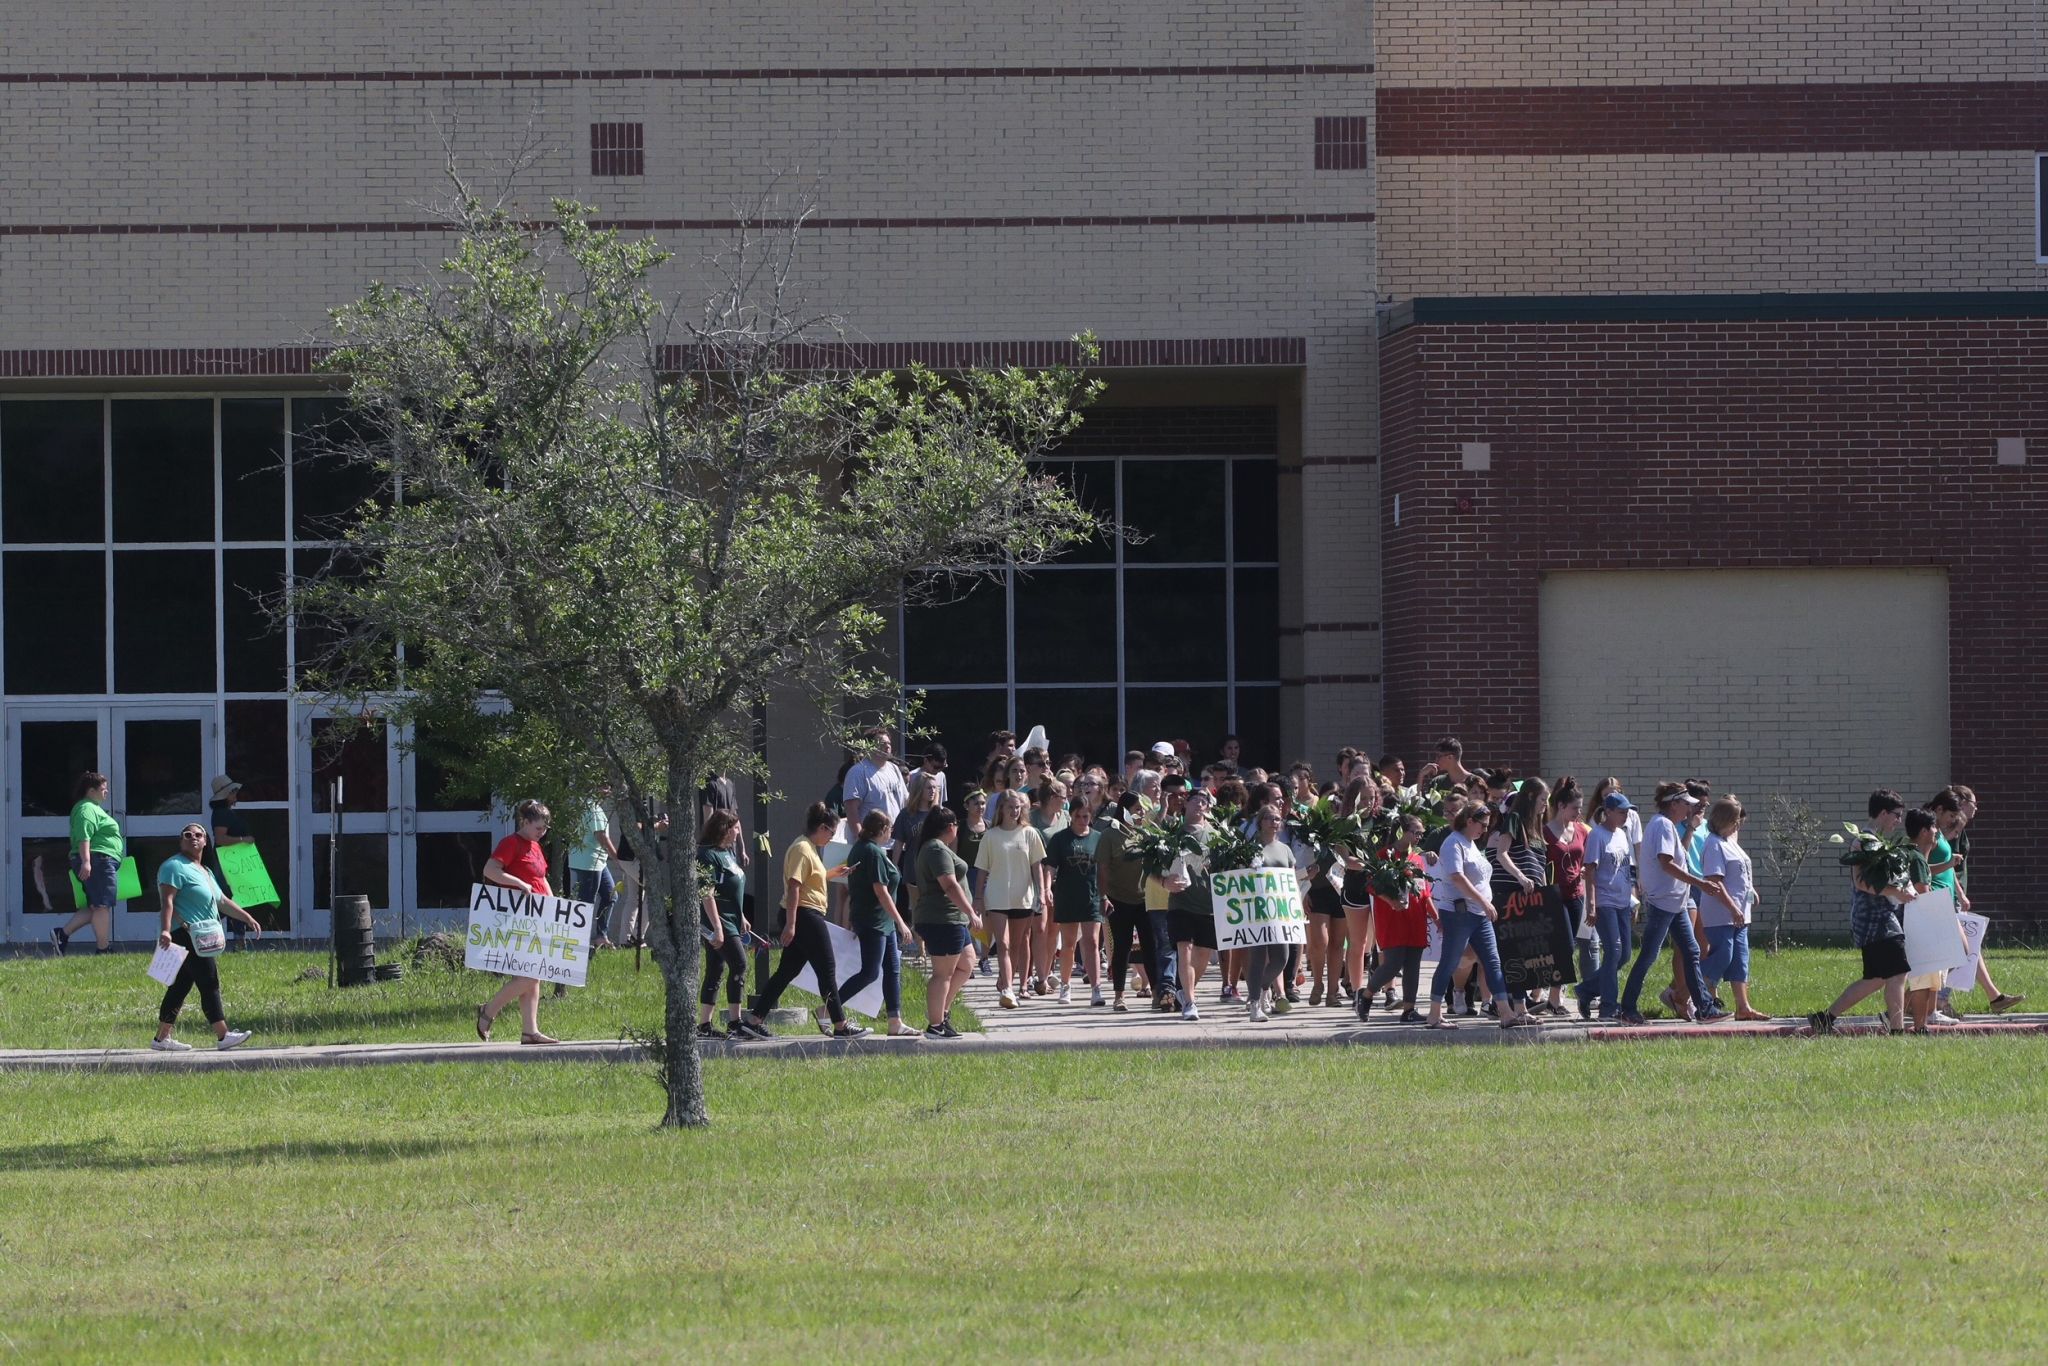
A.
x: 1615, y: 928
x: 600, y: 889
x: 879, y: 956
x: 1462, y: 928
x: 1656, y: 925
x: 1727, y: 957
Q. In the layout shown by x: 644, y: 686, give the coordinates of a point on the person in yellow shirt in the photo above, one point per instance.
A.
x: 806, y: 942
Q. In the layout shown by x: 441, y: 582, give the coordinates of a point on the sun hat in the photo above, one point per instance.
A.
x: 223, y: 786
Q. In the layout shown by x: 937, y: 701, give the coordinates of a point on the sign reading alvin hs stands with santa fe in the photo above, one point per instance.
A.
x: 1255, y: 906
x: 523, y: 935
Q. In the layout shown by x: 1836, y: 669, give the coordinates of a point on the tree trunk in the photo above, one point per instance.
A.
x: 672, y: 928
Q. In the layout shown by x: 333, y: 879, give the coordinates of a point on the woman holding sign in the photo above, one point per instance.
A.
x: 193, y: 899
x: 518, y: 863
x: 96, y: 860
x: 1459, y: 886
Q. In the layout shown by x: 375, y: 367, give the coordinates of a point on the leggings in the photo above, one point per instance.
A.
x: 1405, y: 963
x: 1262, y: 968
x: 1125, y: 917
x: 810, y: 947
x: 728, y: 958
x: 879, y: 955
x: 195, y: 971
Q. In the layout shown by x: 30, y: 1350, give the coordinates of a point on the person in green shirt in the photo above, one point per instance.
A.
x: 1077, y: 896
x: 872, y: 882
x: 189, y: 898
x: 726, y: 930
x: 96, y: 859
x: 945, y: 917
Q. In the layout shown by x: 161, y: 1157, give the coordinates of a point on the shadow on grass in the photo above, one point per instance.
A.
x: 99, y: 1154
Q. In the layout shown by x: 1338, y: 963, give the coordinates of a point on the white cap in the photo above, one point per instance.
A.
x: 1163, y: 750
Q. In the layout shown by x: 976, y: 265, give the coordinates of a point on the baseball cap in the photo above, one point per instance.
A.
x: 1163, y: 749
x: 1617, y: 801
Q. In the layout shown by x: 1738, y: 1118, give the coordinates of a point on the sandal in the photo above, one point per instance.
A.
x: 1439, y: 1024
x: 484, y: 1021
x: 537, y: 1038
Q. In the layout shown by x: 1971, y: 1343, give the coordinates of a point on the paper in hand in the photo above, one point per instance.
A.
x: 164, y: 965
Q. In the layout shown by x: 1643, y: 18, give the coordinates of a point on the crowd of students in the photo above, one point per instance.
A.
x: 1029, y: 877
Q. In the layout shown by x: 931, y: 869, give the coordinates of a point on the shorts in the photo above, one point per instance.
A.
x: 1323, y: 899
x: 1060, y: 918
x: 1885, y: 958
x: 1191, y: 927
x: 1014, y: 915
x: 1357, y: 889
x: 101, y: 889
x: 1926, y: 981
x: 942, y: 940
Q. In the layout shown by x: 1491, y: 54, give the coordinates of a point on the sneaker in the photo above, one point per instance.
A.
x: 932, y: 1031
x: 1294, y: 996
x: 60, y: 939
x: 946, y: 1030
x: 748, y: 1029
x: 1630, y: 1017
x: 1585, y: 1007
x: 1387, y: 998
x: 735, y: 1033
x: 851, y: 1031
x: 2004, y: 1003
x: 708, y: 1030
x: 1257, y: 1013
x: 1457, y: 1003
x: 234, y: 1038
x: 1118, y: 1006
x: 1281, y: 1005
x: 1412, y: 1016
x: 1709, y: 1015
x: 1165, y: 1003
x: 1008, y: 1000
x: 1096, y: 998
x: 1942, y: 1017
x: 1229, y: 996
x: 169, y: 1046
x: 1822, y: 1022
x: 1190, y: 1012
x: 1066, y: 996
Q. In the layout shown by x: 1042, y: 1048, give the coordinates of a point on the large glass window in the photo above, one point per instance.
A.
x: 163, y: 469
x: 1171, y: 635
x: 53, y: 471
x: 56, y: 628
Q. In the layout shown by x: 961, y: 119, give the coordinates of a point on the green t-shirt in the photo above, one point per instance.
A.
x: 91, y: 824
x: 1076, y: 889
x: 1942, y: 854
x: 1126, y: 877
x: 934, y: 907
x: 1919, y: 873
x: 195, y: 897
x: 719, y: 874
x: 868, y: 863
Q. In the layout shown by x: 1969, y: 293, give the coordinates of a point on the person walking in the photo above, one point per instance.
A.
x: 1123, y: 885
x: 96, y: 847
x: 1520, y: 867
x: 1074, y: 856
x: 1012, y: 893
x: 590, y: 867
x: 1667, y: 885
x: 873, y: 883
x: 229, y: 826
x: 1878, y: 932
x: 1264, y: 964
x: 805, y: 940
x: 945, y: 918
x: 1402, y: 930
x: 1728, y: 906
x: 1459, y: 885
x: 1189, y: 919
x: 726, y: 929
x: 1610, y: 861
x: 1564, y: 857
x: 190, y: 903
x: 519, y: 863
x: 876, y: 783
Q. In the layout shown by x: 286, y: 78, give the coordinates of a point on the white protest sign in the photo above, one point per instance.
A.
x: 524, y: 935
x: 838, y: 847
x: 1255, y: 906
x: 1973, y: 926
x: 1934, y: 941
x: 846, y: 962
x: 164, y: 964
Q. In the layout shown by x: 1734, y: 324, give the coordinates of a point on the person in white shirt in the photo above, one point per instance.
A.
x: 875, y: 783
x: 1458, y: 884
x: 1667, y: 885
x: 1611, y: 869
x: 1728, y: 906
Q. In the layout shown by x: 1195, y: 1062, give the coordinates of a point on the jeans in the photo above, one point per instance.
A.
x: 1727, y: 957
x: 879, y: 954
x: 1656, y: 925
x: 1614, y: 927
x: 600, y: 889
x: 811, y: 945
x: 1462, y: 928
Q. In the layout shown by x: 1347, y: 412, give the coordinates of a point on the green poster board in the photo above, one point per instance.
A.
x: 249, y: 881
x: 127, y: 883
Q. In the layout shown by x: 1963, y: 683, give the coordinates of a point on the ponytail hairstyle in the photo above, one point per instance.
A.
x: 1567, y: 788
x: 937, y: 822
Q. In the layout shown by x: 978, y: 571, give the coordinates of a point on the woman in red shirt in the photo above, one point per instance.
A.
x: 518, y: 863
x: 1564, y: 846
x: 1403, y: 933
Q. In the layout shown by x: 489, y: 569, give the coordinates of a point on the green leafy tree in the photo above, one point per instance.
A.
x: 623, y: 520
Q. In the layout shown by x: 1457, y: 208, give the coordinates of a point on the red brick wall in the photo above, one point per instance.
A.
x: 1732, y: 445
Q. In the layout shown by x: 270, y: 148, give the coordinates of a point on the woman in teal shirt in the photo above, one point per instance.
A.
x: 190, y: 897
x: 96, y: 859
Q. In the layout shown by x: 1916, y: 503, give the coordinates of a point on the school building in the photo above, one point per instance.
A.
x: 1649, y: 392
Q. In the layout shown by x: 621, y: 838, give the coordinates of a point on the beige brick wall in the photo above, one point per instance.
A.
x: 1593, y: 225
x: 1600, y: 42
x: 1761, y: 681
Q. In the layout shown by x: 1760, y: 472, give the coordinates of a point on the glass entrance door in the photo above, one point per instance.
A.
x: 155, y: 759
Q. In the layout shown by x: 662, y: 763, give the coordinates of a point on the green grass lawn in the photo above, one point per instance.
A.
x: 80, y: 1001
x: 1874, y: 1198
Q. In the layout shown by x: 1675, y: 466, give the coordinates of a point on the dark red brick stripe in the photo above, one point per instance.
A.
x: 1329, y: 679
x: 227, y: 361
x: 1676, y: 119
x: 737, y: 73
x: 1312, y: 627
x: 1185, y: 220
